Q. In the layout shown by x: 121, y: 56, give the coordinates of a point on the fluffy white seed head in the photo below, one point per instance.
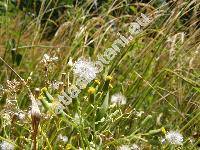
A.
x: 84, y: 68
x: 6, y: 146
x: 135, y: 147
x: 63, y: 138
x: 118, y: 98
x: 124, y: 147
x: 174, y: 137
x: 35, y: 111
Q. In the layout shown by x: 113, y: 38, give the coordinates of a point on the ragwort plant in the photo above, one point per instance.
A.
x: 146, y: 98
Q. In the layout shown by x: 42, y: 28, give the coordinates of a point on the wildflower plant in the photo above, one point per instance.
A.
x: 102, y: 75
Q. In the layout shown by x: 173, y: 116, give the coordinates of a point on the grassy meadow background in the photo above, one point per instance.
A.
x: 157, y: 75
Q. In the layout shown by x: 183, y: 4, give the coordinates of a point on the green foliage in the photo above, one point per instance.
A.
x: 156, y: 74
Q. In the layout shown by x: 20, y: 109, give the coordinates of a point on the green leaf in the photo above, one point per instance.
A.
x: 133, y: 9
x: 18, y: 59
x: 10, y: 45
x: 105, y: 104
x: 198, y: 89
x: 13, y: 53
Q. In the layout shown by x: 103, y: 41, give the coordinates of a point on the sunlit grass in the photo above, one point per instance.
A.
x: 157, y: 76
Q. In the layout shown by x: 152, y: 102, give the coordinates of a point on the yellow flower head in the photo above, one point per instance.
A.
x: 109, y: 78
x: 97, y: 81
x: 91, y: 90
x: 68, y: 147
x: 163, y: 130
